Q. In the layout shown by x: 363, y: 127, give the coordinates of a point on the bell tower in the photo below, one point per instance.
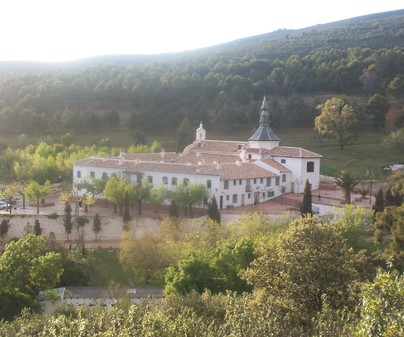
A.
x: 264, y: 137
x: 200, y: 133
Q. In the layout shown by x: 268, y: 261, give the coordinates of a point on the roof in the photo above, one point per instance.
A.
x: 294, y: 152
x: 105, y: 292
x: 216, y: 146
x: 264, y: 133
x: 247, y: 170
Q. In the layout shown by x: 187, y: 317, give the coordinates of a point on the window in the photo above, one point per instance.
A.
x: 174, y: 181
x: 269, y: 181
x: 240, y: 182
x: 248, y: 185
x: 234, y: 198
x: 263, y: 195
x: 234, y: 182
x: 283, y: 161
x: 227, y: 197
x: 277, y: 181
x: 150, y: 179
x: 271, y: 193
x: 226, y: 184
x: 261, y: 180
x: 92, y: 174
x: 310, y: 166
x: 249, y: 195
x: 209, y: 183
x: 185, y: 181
x: 78, y: 174
x: 104, y: 175
x: 284, y: 178
x: 165, y: 180
x: 255, y: 181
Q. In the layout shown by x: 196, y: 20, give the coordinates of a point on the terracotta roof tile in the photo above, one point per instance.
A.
x: 295, y: 152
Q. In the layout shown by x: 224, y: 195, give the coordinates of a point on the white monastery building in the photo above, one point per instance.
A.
x: 237, y: 173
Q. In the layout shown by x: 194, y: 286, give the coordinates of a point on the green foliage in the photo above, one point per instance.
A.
x: 76, y: 269
x: 189, y: 194
x: 4, y: 227
x: 229, y: 260
x: 67, y: 219
x: 26, y: 269
x: 35, y: 192
x: 115, y: 190
x: 310, y: 261
x: 52, y: 215
x: 389, y: 226
x: 213, y: 210
x: 337, y: 120
x: 395, y: 141
x: 192, y: 273
x: 82, y: 220
x: 96, y: 225
x: 173, y: 211
x: 347, y: 181
x: 306, y: 205
x: 141, y: 193
x: 126, y: 208
x: 37, y: 227
x: 381, y: 307
x: 379, y: 203
x: 143, y: 256
x: 377, y: 108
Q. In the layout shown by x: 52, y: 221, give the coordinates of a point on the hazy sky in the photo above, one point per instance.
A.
x: 60, y: 30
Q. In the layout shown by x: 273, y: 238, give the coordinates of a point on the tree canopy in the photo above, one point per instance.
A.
x: 337, y: 120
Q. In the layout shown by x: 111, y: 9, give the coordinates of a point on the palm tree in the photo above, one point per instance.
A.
x: 347, y: 181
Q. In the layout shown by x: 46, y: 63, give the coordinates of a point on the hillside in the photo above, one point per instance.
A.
x: 221, y: 85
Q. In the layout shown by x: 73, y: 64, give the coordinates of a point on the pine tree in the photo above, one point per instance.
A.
x: 306, y: 204
x: 213, y: 210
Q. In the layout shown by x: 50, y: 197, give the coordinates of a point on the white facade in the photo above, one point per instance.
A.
x: 236, y: 173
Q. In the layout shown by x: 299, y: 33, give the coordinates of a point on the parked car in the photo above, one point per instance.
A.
x: 3, y: 204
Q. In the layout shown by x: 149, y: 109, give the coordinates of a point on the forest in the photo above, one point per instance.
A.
x: 220, y: 85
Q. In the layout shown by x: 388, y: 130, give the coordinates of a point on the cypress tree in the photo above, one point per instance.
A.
x: 67, y: 220
x: 126, y: 214
x: 213, y: 210
x: 306, y: 204
x: 379, y: 203
x: 173, y: 211
x: 37, y: 228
